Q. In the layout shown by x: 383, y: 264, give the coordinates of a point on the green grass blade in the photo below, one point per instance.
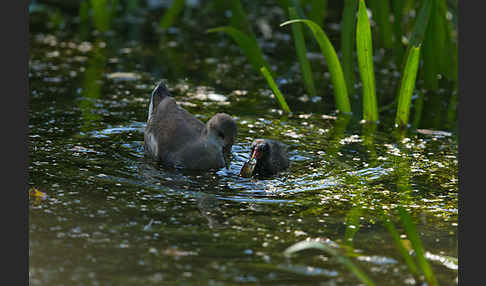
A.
x: 84, y: 19
x: 450, y: 60
x: 365, y: 60
x: 418, y: 107
x: 407, y: 86
x: 398, y: 242
x: 381, y: 14
x: 352, y: 225
x: 414, y: 238
x: 433, y: 49
x: 276, y: 91
x: 420, y: 25
x: 284, y: 4
x: 114, y: 6
x: 398, y: 48
x: 238, y: 19
x: 303, y: 245
x: 337, y: 77
x: 247, y: 44
x: 302, y: 54
x: 347, y: 41
x: 101, y: 15
x: 171, y: 14
x: 317, y: 12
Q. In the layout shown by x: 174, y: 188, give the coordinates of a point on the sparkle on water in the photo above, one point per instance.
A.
x: 111, y: 218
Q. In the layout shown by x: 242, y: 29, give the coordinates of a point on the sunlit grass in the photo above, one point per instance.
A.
x: 401, y: 248
x: 337, y: 77
x: 302, y: 54
x: 347, y: 41
x: 304, y: 245
x: 103, y: 13
x: 412, y: 234
x: 365, y: 60
x: 276, y: 91
x: 247, y: 44
x: 407, y: 86
x: 381, y: 15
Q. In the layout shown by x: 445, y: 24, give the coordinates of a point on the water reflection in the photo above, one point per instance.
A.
x: 110, y: 215
x: 92, y: 88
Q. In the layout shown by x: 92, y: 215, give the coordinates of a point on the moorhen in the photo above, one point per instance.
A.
x: 268, y: 158
x: 175, y: 137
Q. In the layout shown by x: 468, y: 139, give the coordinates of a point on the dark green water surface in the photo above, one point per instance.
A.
x: 111, y: 218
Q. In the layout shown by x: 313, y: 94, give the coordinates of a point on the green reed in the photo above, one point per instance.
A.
x: 171, y: 14
x: 412, y: 235
x: 348, y: 24
x: 431, y: 29
x: 250, y: 48
x: 103, y: 13
x: 276, y: 91
x: 337, y: 77
x: 365, y: 60
x: 407, y: 86
x: 248, y: 44
x: 301, y: 51
x: 239, y: 20
x: 398, y: 47
x: 317, y: 10
x: 304, y: 245
x: 418, y: 106
x: 381, y: 14
x: 401, y: 248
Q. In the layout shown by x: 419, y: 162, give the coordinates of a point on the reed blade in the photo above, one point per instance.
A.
x: 347, y: 41
x: 398, y: 242
x: 398, y: 7
x: 418, y: 107
x: 420, y: 25
x: 337, y: 77
x: 302, y: 54
x: 303, y: 245
x: 318, y: 10
x: 247, y: 44
x: 239, y: 20
x: 365, y: 61
x: 276, y: 91
x: 381, y: 15
x: 412, y: 234
x: 407, y: 86
x: 171, y: 14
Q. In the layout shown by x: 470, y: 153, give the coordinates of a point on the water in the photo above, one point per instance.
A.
x: 112, y: 218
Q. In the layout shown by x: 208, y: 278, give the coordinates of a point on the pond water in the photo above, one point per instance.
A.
x: 112, y: 218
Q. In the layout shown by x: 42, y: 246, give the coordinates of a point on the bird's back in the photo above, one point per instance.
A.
x: 169, y: 129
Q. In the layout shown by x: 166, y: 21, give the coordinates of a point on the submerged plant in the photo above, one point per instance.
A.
x: 303, y: 245
x: 416, y: 266
x: 412, y: 235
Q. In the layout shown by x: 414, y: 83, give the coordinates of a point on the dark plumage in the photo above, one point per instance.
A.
x: 175, y: 137
x: 271, y: 158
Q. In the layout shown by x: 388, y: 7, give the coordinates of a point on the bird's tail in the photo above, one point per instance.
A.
x: 158, y: 94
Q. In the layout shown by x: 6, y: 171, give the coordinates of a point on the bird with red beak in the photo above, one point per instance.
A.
x: 268, y: 158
